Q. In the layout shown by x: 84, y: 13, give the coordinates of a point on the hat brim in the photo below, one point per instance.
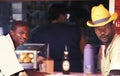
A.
x: 112, y: 18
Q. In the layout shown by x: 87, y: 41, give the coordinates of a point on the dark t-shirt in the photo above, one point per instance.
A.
x: 59, y: 35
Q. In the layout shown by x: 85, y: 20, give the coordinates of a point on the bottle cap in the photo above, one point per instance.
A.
x: 66, y: 52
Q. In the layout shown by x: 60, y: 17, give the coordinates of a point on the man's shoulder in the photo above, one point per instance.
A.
x: 5, y: 37
x: 116, y: 38
x: 2, y: 36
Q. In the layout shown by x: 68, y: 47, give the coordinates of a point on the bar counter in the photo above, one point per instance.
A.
x: 37, y: 73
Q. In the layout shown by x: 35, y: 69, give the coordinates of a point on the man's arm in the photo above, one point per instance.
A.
x: 21, y: 73
x: 114, y: 72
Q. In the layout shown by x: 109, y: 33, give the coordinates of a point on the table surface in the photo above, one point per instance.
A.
x: 37, y: 73
x: 73, y: 74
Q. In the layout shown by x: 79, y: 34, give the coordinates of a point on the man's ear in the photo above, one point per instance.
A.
x: 11, y: 32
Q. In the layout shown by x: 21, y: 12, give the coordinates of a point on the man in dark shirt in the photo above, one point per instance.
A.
x: 58, y: 34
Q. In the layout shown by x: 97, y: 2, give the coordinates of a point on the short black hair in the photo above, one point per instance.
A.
x: 15, y: 24
x: 55, y: 10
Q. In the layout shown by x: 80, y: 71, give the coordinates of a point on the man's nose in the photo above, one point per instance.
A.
x: 103, y: 31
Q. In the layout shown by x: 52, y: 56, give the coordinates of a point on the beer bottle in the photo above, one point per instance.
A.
x: 66, y: 62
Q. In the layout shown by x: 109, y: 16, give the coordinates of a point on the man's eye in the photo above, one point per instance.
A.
x: 21, y: 32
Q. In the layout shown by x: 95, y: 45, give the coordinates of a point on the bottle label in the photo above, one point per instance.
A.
x: 66, y: 65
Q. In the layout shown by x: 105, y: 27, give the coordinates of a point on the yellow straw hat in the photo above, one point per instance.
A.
x: 101, y: 16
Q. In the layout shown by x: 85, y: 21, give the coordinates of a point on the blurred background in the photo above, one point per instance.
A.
x: 35, y: 11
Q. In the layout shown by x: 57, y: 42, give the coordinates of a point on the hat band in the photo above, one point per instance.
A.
x: 101, y: 20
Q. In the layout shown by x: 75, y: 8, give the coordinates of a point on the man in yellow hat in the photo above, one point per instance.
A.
x: 102, y: 22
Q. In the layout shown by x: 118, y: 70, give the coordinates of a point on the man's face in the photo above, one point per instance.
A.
x: 105, y: 33
x: 20, y: 35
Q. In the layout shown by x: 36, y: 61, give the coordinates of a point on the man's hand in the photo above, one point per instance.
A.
x: 40, y: 59
x: 23, y: 74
